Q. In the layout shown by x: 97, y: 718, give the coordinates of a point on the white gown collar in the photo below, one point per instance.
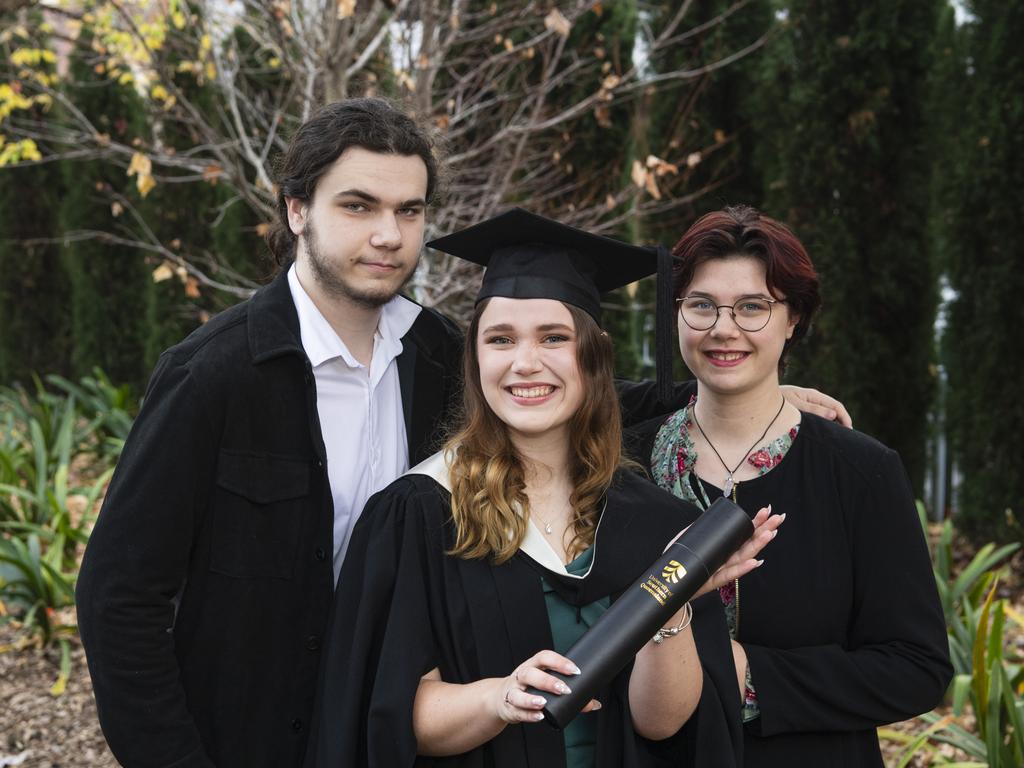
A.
x: 534, y: 544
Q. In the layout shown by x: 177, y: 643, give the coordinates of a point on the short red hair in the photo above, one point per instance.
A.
x: 743, y: 231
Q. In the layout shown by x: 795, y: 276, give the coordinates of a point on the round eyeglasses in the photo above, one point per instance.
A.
x: 701, y: 313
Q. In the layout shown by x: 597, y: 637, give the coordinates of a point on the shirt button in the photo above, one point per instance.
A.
x: 320, y: 554
x: 320, y: 463
x: 296, y: 725
x: 312, y: 642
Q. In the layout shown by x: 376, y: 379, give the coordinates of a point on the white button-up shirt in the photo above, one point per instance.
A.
x: 360, y: 408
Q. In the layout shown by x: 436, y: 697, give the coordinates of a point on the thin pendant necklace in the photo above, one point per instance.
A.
x: 547, y: 526
x: 729, y: 482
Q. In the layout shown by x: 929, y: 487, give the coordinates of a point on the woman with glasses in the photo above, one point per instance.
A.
x: 841, y: 630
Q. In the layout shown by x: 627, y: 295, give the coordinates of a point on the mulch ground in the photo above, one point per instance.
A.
x: 40, y: 730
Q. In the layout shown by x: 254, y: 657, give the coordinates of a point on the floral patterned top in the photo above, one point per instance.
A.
x: 672, y: 461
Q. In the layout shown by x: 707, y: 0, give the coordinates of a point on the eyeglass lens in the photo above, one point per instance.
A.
x: 701, y: 313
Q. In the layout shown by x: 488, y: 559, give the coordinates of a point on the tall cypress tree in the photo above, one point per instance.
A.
x: 843, y: 150
x: 984, y: 200
x: 111, y: 285
x: 34, y: 322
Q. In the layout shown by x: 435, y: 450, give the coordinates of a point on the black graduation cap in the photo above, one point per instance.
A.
x: 531, y: 257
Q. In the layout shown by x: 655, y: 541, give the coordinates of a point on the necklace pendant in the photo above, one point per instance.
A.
x: 727, y: 489
x: 548, y: 528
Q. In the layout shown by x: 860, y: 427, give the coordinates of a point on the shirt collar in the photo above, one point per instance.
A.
x: 320, y: 341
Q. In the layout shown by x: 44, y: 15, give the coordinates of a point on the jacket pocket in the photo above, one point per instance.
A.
x: 259, y: 509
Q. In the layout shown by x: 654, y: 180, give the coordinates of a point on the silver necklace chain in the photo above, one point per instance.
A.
x: 729, y: 482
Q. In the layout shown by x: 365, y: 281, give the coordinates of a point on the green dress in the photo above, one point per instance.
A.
x: 567, y: 626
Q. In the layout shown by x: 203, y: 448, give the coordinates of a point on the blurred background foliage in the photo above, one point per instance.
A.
x: 137, y: 141
x: 887, y: 134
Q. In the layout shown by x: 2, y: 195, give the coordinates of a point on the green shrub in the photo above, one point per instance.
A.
x: 48, y: 437
x: 987, y: 674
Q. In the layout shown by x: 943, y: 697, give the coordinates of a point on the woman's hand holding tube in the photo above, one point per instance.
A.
x: 451, y: 718
x: 519, y: 706
x: 744, y: 560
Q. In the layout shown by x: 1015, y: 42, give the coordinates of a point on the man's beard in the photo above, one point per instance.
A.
x: 335, y: 285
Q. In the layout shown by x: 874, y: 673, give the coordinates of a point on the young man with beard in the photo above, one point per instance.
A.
x: 205, y: 590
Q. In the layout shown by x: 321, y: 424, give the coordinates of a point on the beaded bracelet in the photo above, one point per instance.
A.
x: 684, y: 622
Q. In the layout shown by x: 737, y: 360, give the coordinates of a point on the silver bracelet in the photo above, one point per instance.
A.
x: 684, y: 622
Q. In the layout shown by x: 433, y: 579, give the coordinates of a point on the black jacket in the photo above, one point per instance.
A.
x: 205, y: 589
x: 842, y: 625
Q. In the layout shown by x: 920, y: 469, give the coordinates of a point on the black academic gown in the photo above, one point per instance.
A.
x: 404, y: 607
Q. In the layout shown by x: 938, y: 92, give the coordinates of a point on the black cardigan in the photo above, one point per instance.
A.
x: 842, y: 624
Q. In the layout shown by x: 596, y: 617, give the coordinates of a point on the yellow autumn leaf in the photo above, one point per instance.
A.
x: 163, y: 272
x: 346, y: 8
x: 142, y: 168
x: 159, y: 92
x: 18, y: 152
x: 660, y: 167
x: 211, y: 70
x: 212, y: 173
x: 652, y: 187
x: 140, y: 164
x: 638, y: 174
x: 178, y: 20
x: 557, y: 23
x: 145, y: 184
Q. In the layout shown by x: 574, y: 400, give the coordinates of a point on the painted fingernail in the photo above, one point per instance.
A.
x: 769, y: 509
x: 598, y: 705
x: 562, y: 687
x: 775, y: 533
x: 574, y: 669
x: 783, y: 516
x: 538, y: 716
x: 539, y: 701
x: 759, y: 563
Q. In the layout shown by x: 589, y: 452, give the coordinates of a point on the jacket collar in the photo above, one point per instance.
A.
x: 274, y: 325
x: 273, y: 321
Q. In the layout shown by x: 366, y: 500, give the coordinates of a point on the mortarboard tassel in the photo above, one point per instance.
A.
x: 663, y: 319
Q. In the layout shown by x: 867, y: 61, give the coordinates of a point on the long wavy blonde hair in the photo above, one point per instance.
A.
x: 489, y: 503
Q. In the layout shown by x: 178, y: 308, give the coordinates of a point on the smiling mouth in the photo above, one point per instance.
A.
x: 527, y: 392
x: 726, y: 357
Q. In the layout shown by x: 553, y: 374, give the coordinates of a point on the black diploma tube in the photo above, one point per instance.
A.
x: 646, y: 606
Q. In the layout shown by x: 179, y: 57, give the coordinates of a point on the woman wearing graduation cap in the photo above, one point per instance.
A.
x: 468, y: 576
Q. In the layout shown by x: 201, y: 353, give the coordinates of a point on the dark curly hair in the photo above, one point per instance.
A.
x: 371, y: 123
